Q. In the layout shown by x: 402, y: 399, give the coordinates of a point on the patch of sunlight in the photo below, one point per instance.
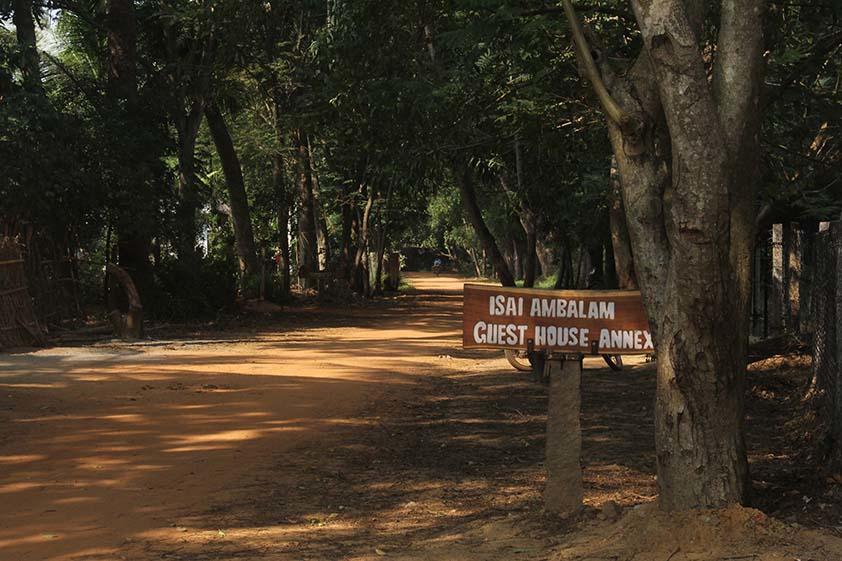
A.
x: 18, y: 541
x: 75, y: 501
x: 126, y: 418
x: 18, y: 487
x: 21, y: 459
x: 55, y: 385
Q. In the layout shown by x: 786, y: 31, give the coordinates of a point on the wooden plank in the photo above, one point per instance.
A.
x: 11, y: 262
x: 573, y: 321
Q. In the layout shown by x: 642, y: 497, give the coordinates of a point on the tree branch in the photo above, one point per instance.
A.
x: 611, y: 108
x: 737, y: 69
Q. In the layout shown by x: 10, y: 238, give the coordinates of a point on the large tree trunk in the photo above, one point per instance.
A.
x: 237, y: 198
x: 682, y: 147
x: 465, y: 180
x: 30, y: 61
x: 308, y: 245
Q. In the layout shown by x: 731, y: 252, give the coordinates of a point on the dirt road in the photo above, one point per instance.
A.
x: 352, y: 434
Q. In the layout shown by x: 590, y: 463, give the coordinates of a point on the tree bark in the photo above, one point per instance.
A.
x: 516, y: 265
x: 620, y: 241
x: 683, y: 148
x: 465, y: 180
x: 133, y: 242
x: 777, y: 307
x: 130, y: 324
x: 30, y: 63
x: 322, y: 235
x: 308, y: 244
x: 348, y: 226
x: 282, y: 202
x: 563, y: 493
x: 383, y: 228
x: 122, y: 48
x: 237, y: 198
x: 188, y: 131
x: 795, y: 257
x: 359, y: 273
x: 528, y: 221
x: 546, y: 257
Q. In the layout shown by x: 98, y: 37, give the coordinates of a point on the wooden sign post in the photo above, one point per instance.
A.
x: 563, y: 492
x: 566, y: 325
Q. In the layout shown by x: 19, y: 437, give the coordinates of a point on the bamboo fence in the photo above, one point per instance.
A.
x: 19, y: 326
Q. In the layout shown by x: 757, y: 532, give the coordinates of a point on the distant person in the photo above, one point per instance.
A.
x: 437, y: 266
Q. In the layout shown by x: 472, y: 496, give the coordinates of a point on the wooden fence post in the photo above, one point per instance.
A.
x: 795, y: 256
x: 778, y: 302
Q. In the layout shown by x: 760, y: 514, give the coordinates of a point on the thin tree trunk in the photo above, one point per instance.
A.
x: 381, y: 242
x: 528, y: 220
x: 515, y: 261
x: 122, y: 47
x: 188, y: 132
x: 378, y: 266
x: 794, y: 277
x: 530, y: 254
x: 347, y: 233
x: 360, y: 274
x: 465, y: 180
x: 322, y: 235
x: 278, y: 179
x: 620, y: 241
x: 546, y: 257
x: 240, y: 212
x: 133, y: 242
x: 308, y: 244
x: 475, y: 260
x: 30, y: 65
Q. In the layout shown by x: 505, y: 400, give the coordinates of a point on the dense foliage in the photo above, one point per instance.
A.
x: 355, y: 129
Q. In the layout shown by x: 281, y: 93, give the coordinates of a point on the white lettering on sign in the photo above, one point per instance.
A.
x: 560, y: 308
x: 581, y: 321
x: 499, y: 334
x: 625, y: 339
x: 505, y: 306
x: 552, y: 336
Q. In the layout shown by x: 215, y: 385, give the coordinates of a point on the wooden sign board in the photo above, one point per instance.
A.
x: 601, y: 322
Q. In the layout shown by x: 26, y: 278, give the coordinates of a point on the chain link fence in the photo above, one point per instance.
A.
x: 827, y: 337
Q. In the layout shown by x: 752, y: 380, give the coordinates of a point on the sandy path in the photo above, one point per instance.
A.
x: 102, y: 445
x: 353, y: 435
